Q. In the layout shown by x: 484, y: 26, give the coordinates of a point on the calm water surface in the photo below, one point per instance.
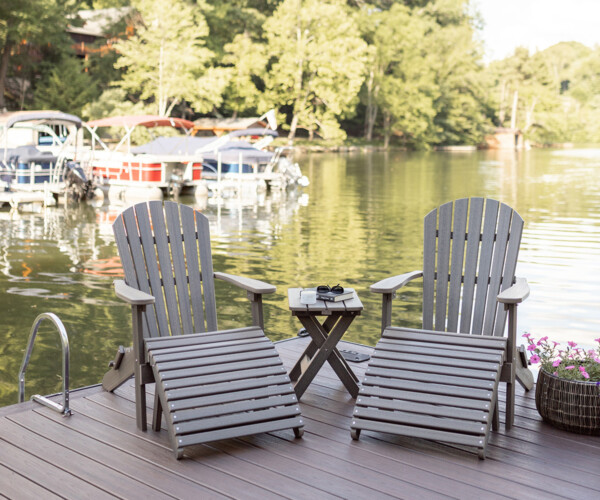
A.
x: 360, y: 220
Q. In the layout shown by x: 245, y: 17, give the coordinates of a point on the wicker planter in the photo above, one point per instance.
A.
x: 568, y: 404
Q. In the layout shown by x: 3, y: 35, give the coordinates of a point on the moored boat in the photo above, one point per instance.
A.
x: 39, y: 156
x: 144, y: 172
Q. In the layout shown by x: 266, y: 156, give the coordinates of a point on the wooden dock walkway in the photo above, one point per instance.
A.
x: 99, y: 453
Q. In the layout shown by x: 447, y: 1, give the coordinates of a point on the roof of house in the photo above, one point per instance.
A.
x: 97, y: 22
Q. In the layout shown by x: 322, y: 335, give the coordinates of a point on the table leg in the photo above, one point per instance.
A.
x: 328, y: 324
x: 327, y: 352
x: 310, y: 350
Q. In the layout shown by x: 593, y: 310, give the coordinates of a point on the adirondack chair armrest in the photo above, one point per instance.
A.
x: 132, y: 295
x: 390, y: 285
x: 248, y: 284
x: 516, y: 293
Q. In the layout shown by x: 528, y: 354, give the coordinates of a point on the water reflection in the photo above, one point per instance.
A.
x: 360, y: 220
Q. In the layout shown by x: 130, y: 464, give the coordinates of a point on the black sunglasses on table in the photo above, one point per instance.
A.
x: 326, y: 288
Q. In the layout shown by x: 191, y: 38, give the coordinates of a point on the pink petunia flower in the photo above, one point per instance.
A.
x: 582, y: 369
x: 597, y: 340
x: 556, y: 362
x: 555, y: 343
x: 591, y: 353
x: 527, y: 335
x: 531, y: 347
x: 585, y: 374
x: 597, y: 360
x: 569, y: 367
x: 571, y: 343
x: 534, y: 359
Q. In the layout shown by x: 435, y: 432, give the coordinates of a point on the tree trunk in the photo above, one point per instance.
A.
x: 4, y: 60
x: 293, y: 127
x: 529, y: 115
x: 387, y: 119
x: 513, y: 114
x: 371, y: 111
x: 502, y: 107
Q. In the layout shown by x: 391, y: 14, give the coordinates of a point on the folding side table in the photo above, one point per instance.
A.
x: 325, y: 336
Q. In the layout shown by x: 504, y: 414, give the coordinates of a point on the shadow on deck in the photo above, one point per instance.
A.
x: 98, y: 453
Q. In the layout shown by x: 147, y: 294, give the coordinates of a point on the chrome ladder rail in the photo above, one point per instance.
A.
x: 64, y: 408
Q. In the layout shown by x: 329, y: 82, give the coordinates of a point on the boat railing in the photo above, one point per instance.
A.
x: 64, y: 338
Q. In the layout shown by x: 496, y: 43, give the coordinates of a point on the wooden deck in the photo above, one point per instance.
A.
x: 99, y: 453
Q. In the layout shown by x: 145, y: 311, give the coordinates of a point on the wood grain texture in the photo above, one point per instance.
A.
x: 532, y: 461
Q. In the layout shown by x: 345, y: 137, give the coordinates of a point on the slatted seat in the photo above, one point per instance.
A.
x: 441, y: 382
x: 210, y: 384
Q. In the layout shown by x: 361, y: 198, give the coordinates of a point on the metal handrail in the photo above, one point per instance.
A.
x: 64, y: 408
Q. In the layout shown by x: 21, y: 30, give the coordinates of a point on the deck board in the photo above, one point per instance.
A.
x: 98, y: 452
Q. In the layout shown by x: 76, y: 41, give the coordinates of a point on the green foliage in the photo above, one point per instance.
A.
x: 228, y: 19
x: 410, y: 69
x: 112, y: 102
x: 66, y: 87
x: 247, y: 61
x: 166, y: 60
x: 28, y: 27
x: 316, y: 63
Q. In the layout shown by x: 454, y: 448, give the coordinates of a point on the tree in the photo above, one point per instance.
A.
x: 525, y: 85
x: 66, y: 87
x: 167, y: 61
x: 25, y: 24
x: 400, y: 80
x: 316, y: 63
x: 248, y: 62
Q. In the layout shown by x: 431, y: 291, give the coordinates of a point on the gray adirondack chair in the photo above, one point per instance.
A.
x: 210, y: 384
x: 441, y: 382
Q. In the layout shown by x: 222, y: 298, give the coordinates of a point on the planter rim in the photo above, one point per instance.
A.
x: 571, y: 381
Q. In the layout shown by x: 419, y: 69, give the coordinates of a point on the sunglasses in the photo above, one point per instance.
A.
x: 337, y: 289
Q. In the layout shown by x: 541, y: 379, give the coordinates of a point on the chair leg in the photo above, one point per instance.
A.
x: 156, y: 417
x: 510, y: 405
x: 496, y: 415
x: 140, y: 405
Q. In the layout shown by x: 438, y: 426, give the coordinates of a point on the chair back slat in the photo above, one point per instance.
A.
x: 161, y: 240
x: 143, y: 252
x: 443, y: 265
x: 512, y: 253
x: 178, y: 259
x: 125, y: 253
x: 459, y: 227
x: 470, y: 266
x: 497, y: 270
x: 165, y: 251
x: 190, y: 241
x: 461, y: 281
x: 429, y: 239
x: 486, y: 251
x: 208, y: 277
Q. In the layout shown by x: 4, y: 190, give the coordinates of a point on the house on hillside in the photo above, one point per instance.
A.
x: 90, y: 26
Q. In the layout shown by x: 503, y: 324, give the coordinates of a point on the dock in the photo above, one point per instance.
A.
x: 18, y: 198
x: 99, y: 453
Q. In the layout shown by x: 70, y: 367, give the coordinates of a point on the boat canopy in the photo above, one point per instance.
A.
x: 148, y: 121
x: 230, y: 153
x: 9, y: 119
x: 253, y: 132
x: 174, y: 146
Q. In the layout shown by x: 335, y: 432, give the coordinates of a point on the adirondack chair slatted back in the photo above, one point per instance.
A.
x: 165, y: 251
x: 470, y: 255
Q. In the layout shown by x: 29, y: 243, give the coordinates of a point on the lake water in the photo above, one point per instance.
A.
x: 360, y: 220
